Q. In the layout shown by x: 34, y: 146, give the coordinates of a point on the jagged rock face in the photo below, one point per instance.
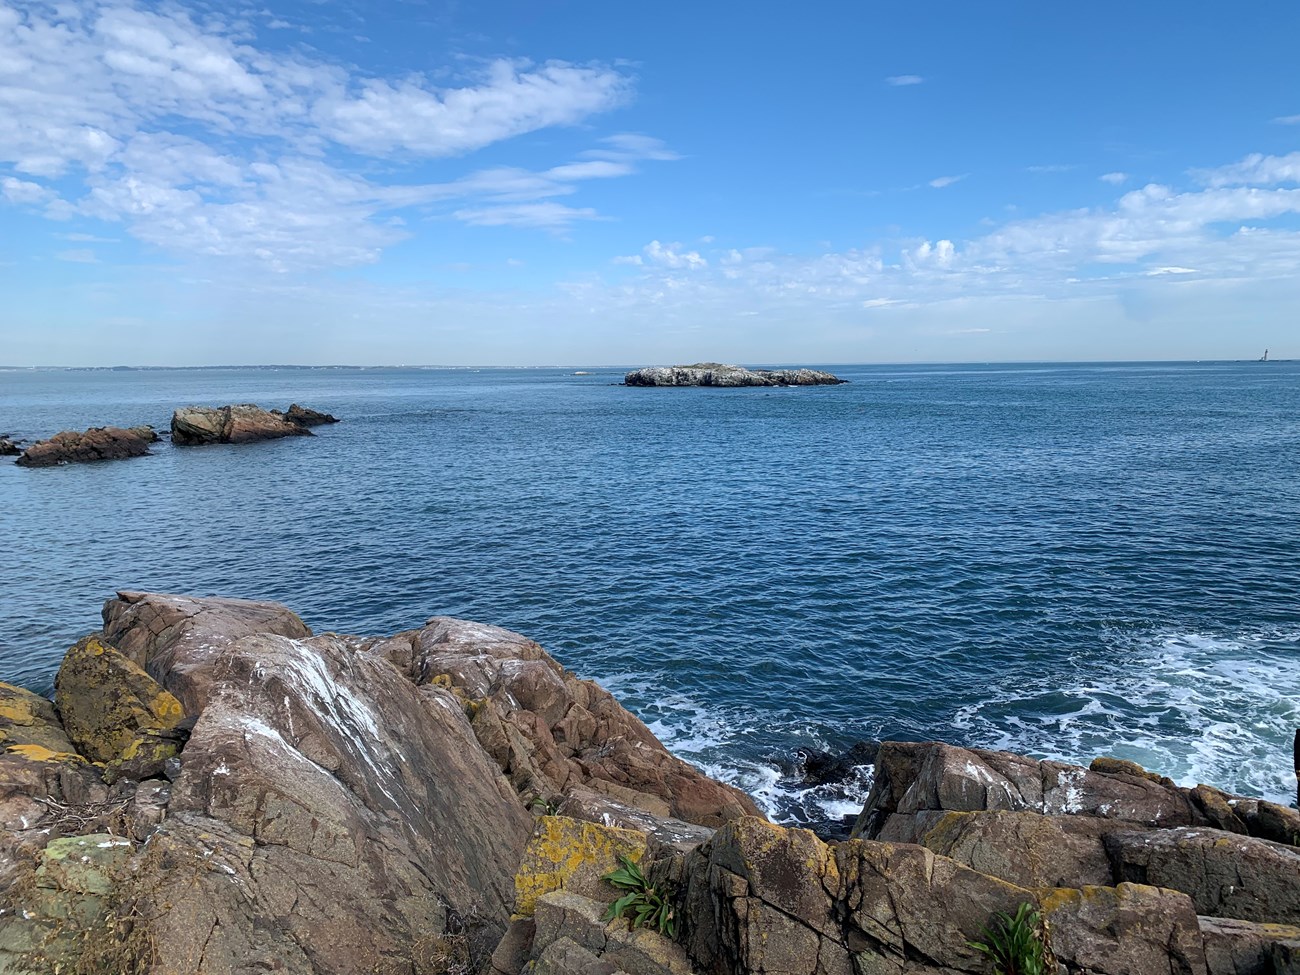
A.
x: 240, y: 423
x: 715, y: 374
x: 97, y: 443
x: 352, y: 807
x: 573, y: 855
x: 1245, y: 948
x: 551, y: 732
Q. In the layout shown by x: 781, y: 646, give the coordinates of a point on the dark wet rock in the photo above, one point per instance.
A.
x: 825, y: 768
x: 304, y: 417
x: 9, y: 447
x: 97, y: 443
x: 241, y: 423
x: 716, y: 374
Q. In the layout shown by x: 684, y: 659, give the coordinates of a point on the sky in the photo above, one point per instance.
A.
x: 585, y: 182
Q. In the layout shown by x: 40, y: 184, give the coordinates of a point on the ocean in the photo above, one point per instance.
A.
x: 1062, y: 560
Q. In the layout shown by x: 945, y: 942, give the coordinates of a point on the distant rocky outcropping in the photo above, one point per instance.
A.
x: 9, y: 447
x: 215, y: 789
x: 97, y: 443
x: 715, y: 374
x: 242, y: 423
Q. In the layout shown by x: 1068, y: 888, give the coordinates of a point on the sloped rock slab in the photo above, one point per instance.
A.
x: 1225, y: 874
x: 571, y: 855
x: 1234, y: 947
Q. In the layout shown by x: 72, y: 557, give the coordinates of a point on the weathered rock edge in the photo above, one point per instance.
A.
x: 348, y: 804
x: 716, y: 374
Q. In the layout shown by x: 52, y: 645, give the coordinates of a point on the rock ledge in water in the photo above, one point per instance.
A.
x: 97, y: 443
x: 715, y: 374
x: 241, y: 423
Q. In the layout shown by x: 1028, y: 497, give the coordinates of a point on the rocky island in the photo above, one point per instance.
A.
x: 242, y: 423
x: 216, y: 789
x: 716, y: 374
x: 97, y: 443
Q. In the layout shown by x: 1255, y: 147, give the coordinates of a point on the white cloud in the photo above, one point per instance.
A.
x: 672, y: 256
x: 1288, y: 120
x: 22, y: 191
x: 543, y: 216
x: 200, y: 143
x: 902, y: 80
x: 1158, y: 271
x: 1114, y: 179
x: 79, y: 256
x: 1254, y: 170
x: 383, y: 116
x: 942, y: 181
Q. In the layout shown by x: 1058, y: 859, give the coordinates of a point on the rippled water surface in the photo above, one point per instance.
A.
x: 1064, y: 560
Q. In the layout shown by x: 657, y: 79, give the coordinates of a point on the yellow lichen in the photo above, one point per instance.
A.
x: 38, y: 753
x: 564, y: 852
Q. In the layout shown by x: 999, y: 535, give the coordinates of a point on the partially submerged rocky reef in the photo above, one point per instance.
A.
x: 190, y: 426
x: 216, y: 789
x: 717, y: 374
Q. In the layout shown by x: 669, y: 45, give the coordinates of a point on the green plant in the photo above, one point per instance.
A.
x: 1017, y: 943
x: 648, y: 906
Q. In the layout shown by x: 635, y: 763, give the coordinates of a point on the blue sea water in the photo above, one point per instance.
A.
x: 1064, y: 560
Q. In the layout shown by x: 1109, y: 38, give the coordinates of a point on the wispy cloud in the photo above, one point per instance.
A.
x: 940, y: 182
x: 1052, y: 168
x: 1287, y: 120
x: 198, y: 142
x: 1255, y: 170
x: 903, y: 80
x: 1114, y: 179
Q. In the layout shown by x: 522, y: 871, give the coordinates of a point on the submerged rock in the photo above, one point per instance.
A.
x: 97, y: 443
x: 240, y: 423
x: 715, y: 374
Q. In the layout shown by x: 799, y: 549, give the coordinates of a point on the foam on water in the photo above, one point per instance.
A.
x: 1198, y: 707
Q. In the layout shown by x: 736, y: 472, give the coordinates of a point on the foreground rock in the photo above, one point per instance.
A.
x: 450, y: 800
x: 97, y: 443
x: 714, y: 374
x: 241, y: 423
x: 334, y: 808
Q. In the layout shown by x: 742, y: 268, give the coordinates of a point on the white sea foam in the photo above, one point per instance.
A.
x: 1219, y: 709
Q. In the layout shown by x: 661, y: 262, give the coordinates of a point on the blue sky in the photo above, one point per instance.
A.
x: 532, y: 183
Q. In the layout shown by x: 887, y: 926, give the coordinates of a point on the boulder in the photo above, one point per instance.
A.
x: 97, y: 443
x: 9, y: 448
x: 1235, y: 947
x: 573, y: 939
x: 1130, y: 929
x: 664, y: 835
x: 568, y: 854
x: 916, y: 780
x: 1225, y: 874
x: 240, y: 423
x: 329, y: 817
x: 716, y: 374
x: 1027, y: 849
x: 177, y: 639
x: 114, y: 712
